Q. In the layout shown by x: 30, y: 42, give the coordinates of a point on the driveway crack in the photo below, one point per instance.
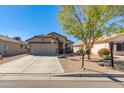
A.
x: 30, y: 65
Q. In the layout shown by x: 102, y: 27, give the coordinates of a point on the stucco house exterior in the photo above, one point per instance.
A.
x: 11, y: 46
x: 103, y: 42
x: 50, y: 44
x: 78, y: 46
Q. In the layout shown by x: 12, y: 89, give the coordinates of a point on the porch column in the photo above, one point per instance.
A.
x: 57, y: 48
x: 64, y: 47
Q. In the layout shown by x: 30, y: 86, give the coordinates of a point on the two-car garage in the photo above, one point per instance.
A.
x: 44, y: 49
x: 48, y: 45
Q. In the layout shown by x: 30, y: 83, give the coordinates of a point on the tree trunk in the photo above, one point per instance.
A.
x: 89, y: 49
x: 89, y: 55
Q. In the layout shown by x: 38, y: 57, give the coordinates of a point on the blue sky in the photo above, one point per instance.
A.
x: 28, y: 21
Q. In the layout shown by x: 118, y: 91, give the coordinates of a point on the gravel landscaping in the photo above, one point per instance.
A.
x: 73, y: 64
x: 11, y: 58
x: 70, y: 65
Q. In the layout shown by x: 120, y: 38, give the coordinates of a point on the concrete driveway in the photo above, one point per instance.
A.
x: 33, y: 64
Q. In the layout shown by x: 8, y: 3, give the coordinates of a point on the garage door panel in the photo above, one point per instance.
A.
x: 43, y: 49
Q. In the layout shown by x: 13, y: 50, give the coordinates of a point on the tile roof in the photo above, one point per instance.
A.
x: 78, y: 44
x: 60, y: 35
x: 56, y: 34
x: 45, y: 36
x: 50, y: 35
x: 102, y: 39
x: 108, y: 38
x: 69, y: 40
x: 11, y: 40
x: 40, y: 36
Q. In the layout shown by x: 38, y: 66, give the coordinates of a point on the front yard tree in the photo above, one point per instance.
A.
x: 88, y: 23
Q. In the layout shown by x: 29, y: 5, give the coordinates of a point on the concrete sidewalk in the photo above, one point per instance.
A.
x: 57, y: 84
x: 65, y: 77
x: 67, y: 80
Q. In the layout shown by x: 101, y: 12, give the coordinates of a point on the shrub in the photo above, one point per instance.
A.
x: 81, y: 50
x: 103, y: 51
x: 106, y: 57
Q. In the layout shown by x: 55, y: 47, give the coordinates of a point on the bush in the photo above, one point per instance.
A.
x: 81, y: 50
x: 103, y: 51
x: 106, y: 57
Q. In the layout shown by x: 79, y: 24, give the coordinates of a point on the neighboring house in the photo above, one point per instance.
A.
x: 50, y: 44
x: 103, y: 42
x: 78, y: 46
x: 10, y: 46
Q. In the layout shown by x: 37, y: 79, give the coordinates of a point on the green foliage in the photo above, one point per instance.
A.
x: 80, y: 50
x: 106, y: 57
x: 88, y: 23
x: 103, y: 52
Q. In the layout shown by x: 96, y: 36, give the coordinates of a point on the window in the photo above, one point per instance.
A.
x: 120, y: 46
x: 43, y: 39
x: 5, y: 46
x: 57, y: 38
x: 68, y: 47
x: 21, y: 46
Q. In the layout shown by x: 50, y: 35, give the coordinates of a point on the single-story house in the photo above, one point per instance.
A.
x: 103, y: 42
x: 11, y: 46
x: 78, y: 46
x: 50, y: 44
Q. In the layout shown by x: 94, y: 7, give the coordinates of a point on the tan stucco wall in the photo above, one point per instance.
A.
x: 37, y: 39
x: 97, y: 47
x: 61, y: 39
x: 44, y: 40
x: 77, y: 48
x: 118, y: 38
x: 11, y: 48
